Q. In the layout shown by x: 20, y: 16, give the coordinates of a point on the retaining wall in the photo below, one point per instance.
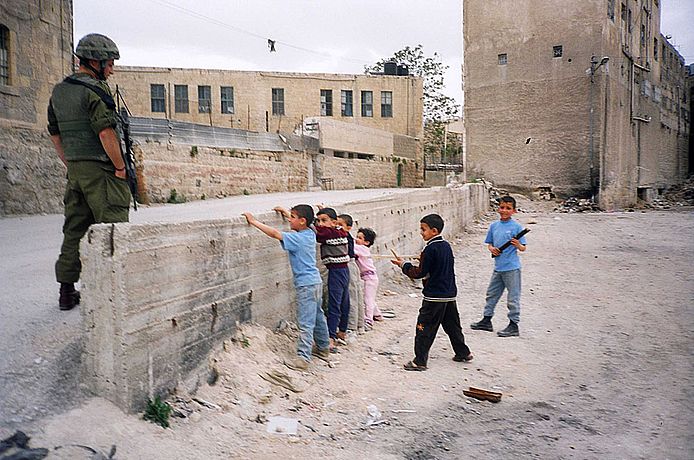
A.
x: 157, y: 298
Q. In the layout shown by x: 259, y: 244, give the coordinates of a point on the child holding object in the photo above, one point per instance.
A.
x: 300, y: 244
x: 439, y: 308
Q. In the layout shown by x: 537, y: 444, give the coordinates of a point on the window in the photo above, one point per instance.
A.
x: 655, y: 49
x: 204, y: 99
x: 367, y: 104
x: 4, y: 55
x: 226, y: 95
x: 278, y: 101
x: 181, y: 98
x: 346, y: 99
x: 610, y: 9
x: 643, y: 35
x: 386, y: 104
x: 326, y: 102
x: 503, y: 59
x: 157, y: 97
x: 557, y: 51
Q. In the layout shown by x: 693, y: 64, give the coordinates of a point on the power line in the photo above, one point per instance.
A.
x: 211, y: 20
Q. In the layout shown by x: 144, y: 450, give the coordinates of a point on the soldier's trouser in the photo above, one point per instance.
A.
x: 93, y: 195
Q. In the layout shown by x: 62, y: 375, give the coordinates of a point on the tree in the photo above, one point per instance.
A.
x: 438, y: 108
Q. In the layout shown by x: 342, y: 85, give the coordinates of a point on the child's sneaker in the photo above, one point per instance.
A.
x: 296, y: 363
x: 323, y: 354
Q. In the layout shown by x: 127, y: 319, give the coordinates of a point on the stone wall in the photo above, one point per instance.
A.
x: 32, y: 178
x: 202, y: 172
x: 157, y: 298
x: 350, y: 173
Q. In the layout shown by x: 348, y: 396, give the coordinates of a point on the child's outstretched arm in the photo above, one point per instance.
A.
x: 281, y: 210
x: 269, y: 231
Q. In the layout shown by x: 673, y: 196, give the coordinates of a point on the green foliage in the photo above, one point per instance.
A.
x: 175, y: 198
x: 158, y: 412
x: 194, y: 151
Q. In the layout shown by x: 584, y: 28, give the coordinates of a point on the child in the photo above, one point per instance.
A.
x: 507, y: 269
x: 439, y: 306
x: 300, y: 245
x: 334, y: 253
x: 367, y: 271
x: 356, y: 293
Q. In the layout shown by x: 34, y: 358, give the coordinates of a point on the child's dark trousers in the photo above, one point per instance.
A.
x: 431, y: 315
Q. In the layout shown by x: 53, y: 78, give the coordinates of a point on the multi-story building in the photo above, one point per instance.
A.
x: 272, y: 101
x: 583, y: 97
x: 35, y: 53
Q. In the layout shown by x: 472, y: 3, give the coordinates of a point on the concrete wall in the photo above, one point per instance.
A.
x: 157, y: 298
x: 32, y: 179
x: 253, y: 97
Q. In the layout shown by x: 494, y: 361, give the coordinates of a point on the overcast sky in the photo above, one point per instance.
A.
x: 338, y: 36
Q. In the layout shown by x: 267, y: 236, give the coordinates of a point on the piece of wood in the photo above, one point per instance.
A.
x: 485, y: 395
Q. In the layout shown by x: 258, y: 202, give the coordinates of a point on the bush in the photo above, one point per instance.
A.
x: 158, y: 412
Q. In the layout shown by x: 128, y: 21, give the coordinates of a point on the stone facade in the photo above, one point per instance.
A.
x: 252, y: 108
x: 541, y: 111
x: 149, y: 325
x: 38, y: 40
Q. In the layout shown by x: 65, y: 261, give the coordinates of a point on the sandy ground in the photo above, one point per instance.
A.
x: 603, y: 367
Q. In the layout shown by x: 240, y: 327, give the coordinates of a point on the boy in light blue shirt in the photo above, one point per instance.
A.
x: 300, y: 244
x: 507, y: 269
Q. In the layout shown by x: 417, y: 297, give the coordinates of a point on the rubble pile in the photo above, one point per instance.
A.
x: 574, y: 204
x: 677, y: 195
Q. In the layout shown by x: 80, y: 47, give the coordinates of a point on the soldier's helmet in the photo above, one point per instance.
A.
x: 98, y: 47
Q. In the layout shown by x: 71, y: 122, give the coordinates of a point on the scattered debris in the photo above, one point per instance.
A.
x: 96, y: 454
x: 281, y: 379
x: 404, y: 411
x: 479, y: 393
x: 207, y: 404
x: 375, y: 417
x: 574, y: 204
x: 282, y: 425
x: 677, y: 195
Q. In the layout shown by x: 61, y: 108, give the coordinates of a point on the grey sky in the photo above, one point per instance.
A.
x: 312, y: 35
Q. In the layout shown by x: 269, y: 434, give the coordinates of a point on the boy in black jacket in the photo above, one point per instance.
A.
x: 439, y: 306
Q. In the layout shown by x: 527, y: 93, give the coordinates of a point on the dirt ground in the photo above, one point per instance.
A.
x: 603, y: 367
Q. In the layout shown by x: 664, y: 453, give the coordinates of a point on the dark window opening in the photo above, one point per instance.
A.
x: 347, y: 103
x: 557, y: 51
x: 386, y: 104
x: 226, y: 94
x: 503, y: 59
x: 367, y: 104
x: 157, y: 98
x: 326, y: 102
x: 181, y: 98
x: 4, y: 55
x: 278, y: 101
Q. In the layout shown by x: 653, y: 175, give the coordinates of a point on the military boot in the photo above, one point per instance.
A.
x: 69, y: 296
x: 510, y: 331
x: 485, y: 324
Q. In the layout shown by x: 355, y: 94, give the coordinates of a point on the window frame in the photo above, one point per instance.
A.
x: 347, y: 104
x: 159, y: 100
x: 502, y: 58
x: 204, y: 108
x: 386, y: 106
x: 326, y: 102
x: 181, y: 103
x: 227, y: 99
x: 365, y: 105
x: 278, y: 102
x: 5, y: 55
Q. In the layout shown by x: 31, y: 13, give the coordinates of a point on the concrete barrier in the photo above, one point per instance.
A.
x: 157, y: 298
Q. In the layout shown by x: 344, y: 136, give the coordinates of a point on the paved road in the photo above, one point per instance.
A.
x: 39, y: 362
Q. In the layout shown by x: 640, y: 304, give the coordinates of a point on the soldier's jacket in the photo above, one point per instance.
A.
x: 78, y: 114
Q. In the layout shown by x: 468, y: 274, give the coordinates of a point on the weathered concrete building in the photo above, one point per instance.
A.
x: 35, y: 53
x: 583, y: 97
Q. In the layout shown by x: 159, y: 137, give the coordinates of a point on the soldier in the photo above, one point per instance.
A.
x: 83, y: 130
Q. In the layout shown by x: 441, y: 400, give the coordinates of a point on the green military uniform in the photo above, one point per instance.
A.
x: 93, y: 194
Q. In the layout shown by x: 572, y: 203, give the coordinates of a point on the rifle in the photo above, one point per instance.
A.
x: 508, y: 243
x: 127, y: 146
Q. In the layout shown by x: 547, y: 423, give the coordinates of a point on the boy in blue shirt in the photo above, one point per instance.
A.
x: 507, y: 269
x: 300, y: 245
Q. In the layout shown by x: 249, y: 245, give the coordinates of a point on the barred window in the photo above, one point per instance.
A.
x: 326, y: 102
x: 278, y: 101
x: 367, y: 104
x: 158, y: 98
x: 347, y: 110
x: 227, y: 97
x: 557, y: 51
x: 502, y: 58
x: 204, y: 99
x: 181, y: 98
x: 386, y: 104
x: 4, y: 55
